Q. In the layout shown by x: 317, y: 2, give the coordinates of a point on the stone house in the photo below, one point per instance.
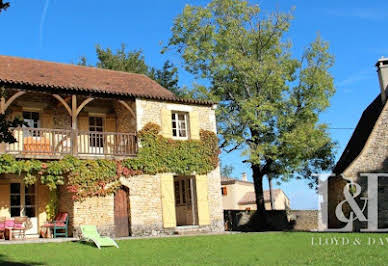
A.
x: 366, y: 152
x: 92, y: 114
x: 240, y: 195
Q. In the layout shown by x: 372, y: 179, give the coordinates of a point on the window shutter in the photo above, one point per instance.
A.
x: 224, y: 191
x: 83, y: 140
x: 5, y: 200
x: 110, y: 123
x: 83, y: 122
x: 202, y: 199
x: 194, y: 125
x: 166, y: 123
x: 47, y: 120
x: 168, y: 200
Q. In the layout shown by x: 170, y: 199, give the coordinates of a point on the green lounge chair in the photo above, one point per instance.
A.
x: 89, y: 233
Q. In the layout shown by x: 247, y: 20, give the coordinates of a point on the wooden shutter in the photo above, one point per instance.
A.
x: 110, y: 123
x: 110, y: 126
x: 83, y: 140
x: 202, y: 200
x: 168, y: 200
x: 47, y: 120
x: 83, y: 122
x: 5, y: 200
x: 166, y: 123
x: 194, y: 125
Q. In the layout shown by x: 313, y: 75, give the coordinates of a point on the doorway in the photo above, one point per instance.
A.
x: 121, y: 207
x: 185, y: 200
x: 23, y: 203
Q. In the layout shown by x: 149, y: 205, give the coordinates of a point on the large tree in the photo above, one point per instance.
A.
x: 4, y: 5
x: 133, y: 61
x: 269, y: 101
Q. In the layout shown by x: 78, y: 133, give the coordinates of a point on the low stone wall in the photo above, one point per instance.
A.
x: 305, y: 220
x: 276, y: 220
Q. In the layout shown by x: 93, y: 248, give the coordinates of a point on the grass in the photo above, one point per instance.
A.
x: 239, y: 249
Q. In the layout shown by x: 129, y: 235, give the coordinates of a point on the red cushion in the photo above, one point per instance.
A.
x: 18, y: 226
x: 61, y: 217
x: 51, y: 225
x: 9, y: 223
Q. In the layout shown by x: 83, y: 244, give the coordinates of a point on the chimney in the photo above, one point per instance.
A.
x: 244, y: 176
x: 382, y: 73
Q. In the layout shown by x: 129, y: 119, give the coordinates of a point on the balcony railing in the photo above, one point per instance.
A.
x: 54, y: 143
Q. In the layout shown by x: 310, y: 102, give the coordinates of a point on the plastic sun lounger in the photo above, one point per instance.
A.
x: 89, y: 233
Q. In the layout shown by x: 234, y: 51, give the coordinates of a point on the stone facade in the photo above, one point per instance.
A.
x: 147, y: 212
x: 372, y: 158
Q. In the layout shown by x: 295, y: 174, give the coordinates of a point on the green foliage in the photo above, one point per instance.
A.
x: 52, y: 206
x: 133, y: 61
x: 4, y: 5
x: 6, y: 135
x: 87, y: 178
x: 269, y: 102
x: 161, y: 155
x: 227, y: 170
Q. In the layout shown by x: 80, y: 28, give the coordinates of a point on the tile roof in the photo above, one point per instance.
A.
x: 360, y: 135
x: 250, y: 197
x: 45, y: 75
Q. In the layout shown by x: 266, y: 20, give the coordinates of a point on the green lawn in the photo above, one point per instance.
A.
x: 246, y: 249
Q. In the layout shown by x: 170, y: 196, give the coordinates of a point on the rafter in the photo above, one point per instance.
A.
x: 128, y: 108
x: 63, y: 101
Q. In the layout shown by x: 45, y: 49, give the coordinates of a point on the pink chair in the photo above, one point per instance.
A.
x: 19, y: 226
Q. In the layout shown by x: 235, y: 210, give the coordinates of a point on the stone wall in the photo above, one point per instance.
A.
x: 150, y: 111
x: 276, y: 220
x: 145, y: 205
x: 372, y: 158
x: 305, y: 220
x: 215, y: 201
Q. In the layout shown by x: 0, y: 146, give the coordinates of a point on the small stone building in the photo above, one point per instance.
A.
x: 94, y: 113
x: 366, y: 152
x: 240, y: 195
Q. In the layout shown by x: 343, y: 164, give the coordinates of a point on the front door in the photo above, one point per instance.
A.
x: 184, y: 204
x: 121, y: 213
x: 23, y: 203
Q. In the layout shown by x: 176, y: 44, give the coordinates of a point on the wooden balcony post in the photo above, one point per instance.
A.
x: 74, y: 124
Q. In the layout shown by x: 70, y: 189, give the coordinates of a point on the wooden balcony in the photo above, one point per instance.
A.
x: 44, y: 143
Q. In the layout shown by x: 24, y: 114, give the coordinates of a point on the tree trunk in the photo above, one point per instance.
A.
x: 270, y: 192
x: 258, y: 184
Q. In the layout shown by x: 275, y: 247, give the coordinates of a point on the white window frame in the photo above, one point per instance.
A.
x: 176, y: 120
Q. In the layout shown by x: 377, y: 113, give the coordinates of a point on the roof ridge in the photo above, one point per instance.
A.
x: 75, y: 65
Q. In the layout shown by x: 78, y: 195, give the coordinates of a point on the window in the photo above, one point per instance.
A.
x: 179, y: 125
x: 15, y: 199
x: 32, y: 119
x: 29, y: 200
x: 224, y: 191
x: 182, y: 191
x: 96, y: 125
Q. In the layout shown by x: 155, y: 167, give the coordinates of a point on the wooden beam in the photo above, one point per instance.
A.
x: 63, y: 101
x: 2, y: 104
x: 5, y: 105
x: 74, y: 112
x: 83, y: 104
x: 128, y: 108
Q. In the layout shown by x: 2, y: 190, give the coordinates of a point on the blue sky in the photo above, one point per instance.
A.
x: 62, y: 31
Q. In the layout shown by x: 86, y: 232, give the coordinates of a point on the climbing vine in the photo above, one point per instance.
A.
x: 87, y: 178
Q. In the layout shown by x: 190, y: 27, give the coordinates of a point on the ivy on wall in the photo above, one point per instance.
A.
x: 87, y: 178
